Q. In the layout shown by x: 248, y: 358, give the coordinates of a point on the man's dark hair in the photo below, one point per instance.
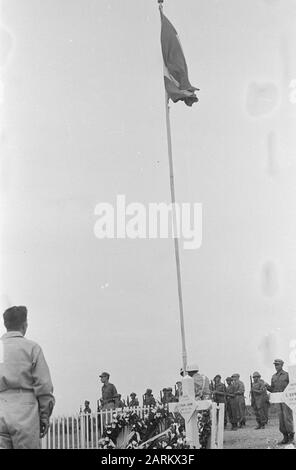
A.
x: 15, y: 317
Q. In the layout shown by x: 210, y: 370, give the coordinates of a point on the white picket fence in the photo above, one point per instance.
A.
x: 83, y: 431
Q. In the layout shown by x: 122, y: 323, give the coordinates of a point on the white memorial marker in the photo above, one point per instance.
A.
x: 188, y: 407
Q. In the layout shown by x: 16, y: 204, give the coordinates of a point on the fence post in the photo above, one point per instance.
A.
x: 214, y: 425
x: 221, y: 411
x: 82, y: 432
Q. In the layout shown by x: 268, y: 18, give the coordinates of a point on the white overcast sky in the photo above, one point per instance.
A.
x: 83, y: 120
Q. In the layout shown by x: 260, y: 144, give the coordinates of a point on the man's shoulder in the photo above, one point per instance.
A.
x: 285, y: 373
x: 110, y: 385
x: 32, y: 346
x: 31, y: 343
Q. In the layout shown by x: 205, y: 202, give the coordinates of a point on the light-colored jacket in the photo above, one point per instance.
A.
x: 23, y: 367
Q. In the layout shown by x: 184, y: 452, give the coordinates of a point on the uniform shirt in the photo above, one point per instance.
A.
x: 109, y: 393
x: 279, y: 382
x: 201, y: 386
x: 229, y: 391
x: 239, y: 387
x: 149, y: 400
x: 260, y: 394
x: 134, y: 402
x: 220, y: 387
x: 23, y: 366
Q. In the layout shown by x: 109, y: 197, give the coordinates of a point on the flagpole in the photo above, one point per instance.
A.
x: 175, y: 231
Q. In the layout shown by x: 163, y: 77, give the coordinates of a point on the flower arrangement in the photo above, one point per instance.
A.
x: 143, y: 429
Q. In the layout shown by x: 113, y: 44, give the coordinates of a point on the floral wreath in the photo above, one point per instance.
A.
x: 144, y: 431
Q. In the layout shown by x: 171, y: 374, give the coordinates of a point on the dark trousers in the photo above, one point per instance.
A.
x: 285, y: 418
x: 260, y: 413
x: 232, y: 411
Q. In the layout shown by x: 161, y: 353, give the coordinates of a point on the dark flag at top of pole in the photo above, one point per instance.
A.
x: 176, y: 78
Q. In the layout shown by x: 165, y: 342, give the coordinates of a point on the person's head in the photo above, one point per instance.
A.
x: 278, y: 364
x: 15, y: 319
x: 256, y: 377
x: 86, y: 403
x: 217, y: 379
x: 228, y: 380
x: 235, y: 377
x: 133, y: 395
x: 104, y: 377
x: 148, y: 391
x: 192, y: 369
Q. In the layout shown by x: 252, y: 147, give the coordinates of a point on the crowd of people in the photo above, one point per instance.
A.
x: 231, y: 393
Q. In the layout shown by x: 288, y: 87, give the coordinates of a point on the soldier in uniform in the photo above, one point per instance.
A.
x: 87, y: 419
x: 219, y: 394
x: 178, y: 390
x: 149, y: 399
x: 134, y: 401
x: 163, y: 394
x: 201, y: 383
x: 258, y: 400
x: 119, y: 402
x: 168, y: 396
x: 279, y: 382
x: 231, y: 404
x: 86, y: 407
x: 109, y: 392
x: 26, y: 391
x: 239, y: 391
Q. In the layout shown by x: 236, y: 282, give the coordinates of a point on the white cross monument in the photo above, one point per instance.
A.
x: 189, y: 407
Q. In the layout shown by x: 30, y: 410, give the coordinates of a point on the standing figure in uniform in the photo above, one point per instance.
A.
x: 149, y: 399
x: 119, y: 402
x: 279, y: 382
x: 168, y: 396
x: 134, y: 400
x: 219, y: 394
x: 201, y: 383
x: 178, y: 390
x: 86, y: 407
x: 26, y: 391
x: 239, y: 392
x: 231, y: 404
x: 259, y: 400
x: 87, y: 417
x: 109, y: 392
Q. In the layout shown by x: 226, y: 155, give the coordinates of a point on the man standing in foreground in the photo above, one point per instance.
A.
x: 279, y: 382
x: 26, y: 399
x: 259, y: 400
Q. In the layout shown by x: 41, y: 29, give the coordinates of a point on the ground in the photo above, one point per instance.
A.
x: 249, y: 438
